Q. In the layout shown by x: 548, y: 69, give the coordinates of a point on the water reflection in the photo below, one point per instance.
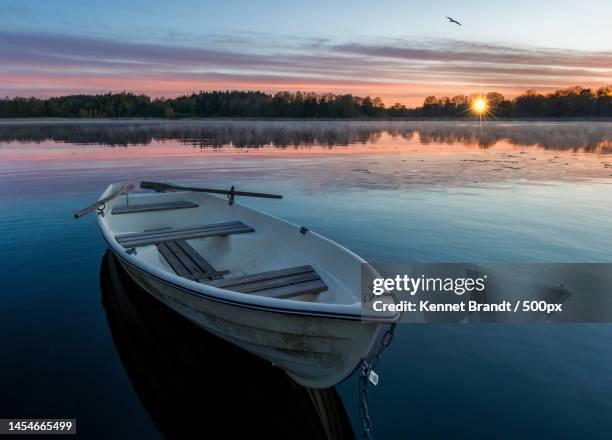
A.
x: 587, y: 136
x: 190, y: 381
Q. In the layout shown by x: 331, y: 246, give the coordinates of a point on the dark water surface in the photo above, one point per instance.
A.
x: 78, y: 340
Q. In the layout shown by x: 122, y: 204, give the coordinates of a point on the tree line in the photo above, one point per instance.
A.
x: 572, y: 102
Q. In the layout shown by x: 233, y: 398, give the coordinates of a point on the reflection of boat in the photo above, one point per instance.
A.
x: 282, y: 292
x: 190, y: 381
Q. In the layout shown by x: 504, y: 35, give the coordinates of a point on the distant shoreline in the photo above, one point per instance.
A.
x: 8, y: 121
x: 573, y: 102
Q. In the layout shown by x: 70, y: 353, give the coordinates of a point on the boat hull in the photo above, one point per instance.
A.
x: 315, y: 351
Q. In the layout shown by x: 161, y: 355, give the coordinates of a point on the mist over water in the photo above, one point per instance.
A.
x: 592, y: 136
x: 391, y: 191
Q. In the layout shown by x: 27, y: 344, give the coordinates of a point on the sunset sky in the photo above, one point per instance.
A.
x: 401, y: 51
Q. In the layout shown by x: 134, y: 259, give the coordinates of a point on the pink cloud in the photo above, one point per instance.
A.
x: 51, y: 65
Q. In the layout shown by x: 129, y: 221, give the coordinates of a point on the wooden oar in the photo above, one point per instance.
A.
x: 124, y: 189
x: 159, y: 186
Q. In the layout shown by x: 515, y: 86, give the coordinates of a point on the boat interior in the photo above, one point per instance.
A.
x: 199, y: 238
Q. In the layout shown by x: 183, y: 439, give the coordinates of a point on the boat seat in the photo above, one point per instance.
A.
x: 173, y: 234
x: 283, y: 283
x: 165, y: 206
x: 186, y: 262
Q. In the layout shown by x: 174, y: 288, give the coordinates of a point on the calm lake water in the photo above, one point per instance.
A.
x: 79, y: 340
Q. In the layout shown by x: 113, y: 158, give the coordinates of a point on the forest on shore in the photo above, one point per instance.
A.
x: 573, y: 102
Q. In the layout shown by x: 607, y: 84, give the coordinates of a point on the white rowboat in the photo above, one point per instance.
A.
x: 277, y: 290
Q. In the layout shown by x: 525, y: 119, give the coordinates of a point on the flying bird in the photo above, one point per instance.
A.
x: 452, y: 20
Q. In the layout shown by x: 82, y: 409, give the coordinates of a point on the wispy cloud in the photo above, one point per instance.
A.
x: 397, y: 70
x: 461, y: 51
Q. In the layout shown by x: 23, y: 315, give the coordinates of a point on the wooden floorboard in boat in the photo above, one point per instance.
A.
x: 193, y: 269
x: 187, y: 262
x: 173, y: 261
x: 200, y: 261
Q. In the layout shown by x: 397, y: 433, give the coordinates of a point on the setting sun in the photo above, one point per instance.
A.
x: 480, y: 105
